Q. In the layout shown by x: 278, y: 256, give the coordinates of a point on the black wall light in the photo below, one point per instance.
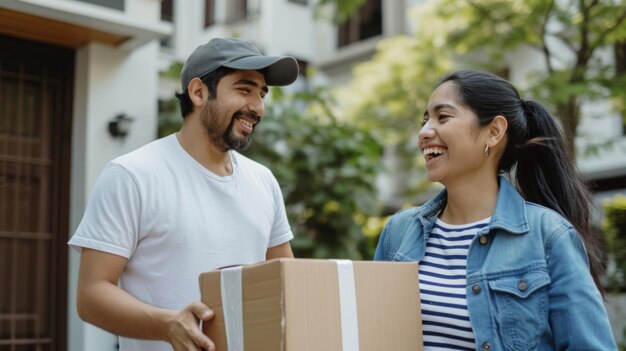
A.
x: 120, y: 125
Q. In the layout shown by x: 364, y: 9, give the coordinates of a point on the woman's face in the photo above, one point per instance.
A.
x: 451, y: 140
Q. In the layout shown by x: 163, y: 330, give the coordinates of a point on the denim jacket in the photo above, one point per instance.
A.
x: 528, y: 281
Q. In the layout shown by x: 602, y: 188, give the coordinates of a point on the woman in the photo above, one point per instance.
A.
x: 500, y: 269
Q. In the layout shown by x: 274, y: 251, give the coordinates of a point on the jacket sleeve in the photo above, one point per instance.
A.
x: 578, y: 318
x: 382, y: 249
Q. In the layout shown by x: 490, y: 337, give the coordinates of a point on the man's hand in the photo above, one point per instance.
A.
x: 101, y: 302
x: 184, y: 333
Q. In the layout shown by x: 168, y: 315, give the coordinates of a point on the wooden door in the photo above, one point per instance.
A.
x: 35, y: 127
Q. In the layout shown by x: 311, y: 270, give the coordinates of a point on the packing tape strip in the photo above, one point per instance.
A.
x: 232, y: 301
x: 347, y: 306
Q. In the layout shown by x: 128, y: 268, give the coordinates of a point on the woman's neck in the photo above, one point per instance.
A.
x: 470, y: 199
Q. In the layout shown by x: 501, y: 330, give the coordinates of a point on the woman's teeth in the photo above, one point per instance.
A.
x: 432, y: 152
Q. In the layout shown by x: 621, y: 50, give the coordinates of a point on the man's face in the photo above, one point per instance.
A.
x: 230, y: 118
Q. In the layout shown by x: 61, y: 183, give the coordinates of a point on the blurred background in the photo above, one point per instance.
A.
x: 84, y: 81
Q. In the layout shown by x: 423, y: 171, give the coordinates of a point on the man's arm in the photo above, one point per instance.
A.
x: 282, y: 250
x: 102, y: 303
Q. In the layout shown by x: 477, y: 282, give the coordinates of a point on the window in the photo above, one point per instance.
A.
x: 236, y: 10
x: 366, y: 23
x: 167, y: 15
x: 167, y: 10
x: 114, y: 4
x: 209, y: 13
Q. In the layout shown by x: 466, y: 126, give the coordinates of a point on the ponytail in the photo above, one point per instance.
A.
x: 546, y: 174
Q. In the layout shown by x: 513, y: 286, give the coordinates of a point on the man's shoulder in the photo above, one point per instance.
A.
x: 250, y: 165
x: 146, y: 156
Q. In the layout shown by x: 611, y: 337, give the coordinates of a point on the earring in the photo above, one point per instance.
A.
x: 487, y: 151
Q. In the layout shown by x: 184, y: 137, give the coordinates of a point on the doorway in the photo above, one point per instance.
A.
x: 36, y: 82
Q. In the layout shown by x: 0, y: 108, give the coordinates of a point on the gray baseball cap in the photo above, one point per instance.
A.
x: 238, y: 54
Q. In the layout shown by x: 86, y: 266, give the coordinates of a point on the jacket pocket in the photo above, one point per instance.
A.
x: 521, y: 308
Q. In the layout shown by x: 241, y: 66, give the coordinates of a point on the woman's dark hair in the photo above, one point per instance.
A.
x: 545, y: 171
x: 210, y: 80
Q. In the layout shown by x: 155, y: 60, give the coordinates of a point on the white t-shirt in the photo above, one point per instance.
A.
x: 173, y: 219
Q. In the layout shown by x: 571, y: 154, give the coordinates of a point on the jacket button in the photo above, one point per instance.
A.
x: 486, y: 346
x: 476, y: 289
x: 483, y: 240
x: 522, y: 285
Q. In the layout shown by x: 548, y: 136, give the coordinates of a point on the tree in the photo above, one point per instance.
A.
x: 388, y: 94
x: 570, y: 36
x: 337, y: 10
x: 327, y: 170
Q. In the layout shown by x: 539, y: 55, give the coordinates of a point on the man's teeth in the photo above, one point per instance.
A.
x: 246, y: 123
x: 434, y: 151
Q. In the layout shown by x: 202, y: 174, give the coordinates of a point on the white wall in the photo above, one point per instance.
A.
x: 108, y: 81
x: 288, y: 29
x: 277, y: 27
x: 188, y: 24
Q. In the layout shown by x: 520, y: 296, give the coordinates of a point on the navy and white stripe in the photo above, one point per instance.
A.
x: 442, y: 280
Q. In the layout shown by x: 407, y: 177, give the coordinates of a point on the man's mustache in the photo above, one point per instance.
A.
x: 249, y: 115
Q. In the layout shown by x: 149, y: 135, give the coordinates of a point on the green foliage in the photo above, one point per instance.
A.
x: 614, y: 226
x: 570, y: 35
x: 327, y: 170
x: 170, y: 119
x: 494, y: 26
x: 337, y: 11
x: 388, y: 95
x: 173, y: 71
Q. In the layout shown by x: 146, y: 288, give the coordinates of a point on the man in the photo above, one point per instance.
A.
x: 184, y: 204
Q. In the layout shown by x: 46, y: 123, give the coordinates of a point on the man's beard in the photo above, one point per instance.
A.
x: 223, y: 139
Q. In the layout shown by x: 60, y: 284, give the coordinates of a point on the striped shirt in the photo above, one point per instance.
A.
x: 442, y: 281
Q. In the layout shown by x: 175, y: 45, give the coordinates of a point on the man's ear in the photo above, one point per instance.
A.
x: 198, y: 92
x: 497, y: 131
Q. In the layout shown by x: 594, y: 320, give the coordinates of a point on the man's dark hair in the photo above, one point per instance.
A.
x: 210, y: 80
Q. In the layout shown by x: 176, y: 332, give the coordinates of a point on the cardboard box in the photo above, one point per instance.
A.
x: 295, y: 305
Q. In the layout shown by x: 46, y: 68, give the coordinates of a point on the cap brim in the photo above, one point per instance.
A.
x: 278, y: 70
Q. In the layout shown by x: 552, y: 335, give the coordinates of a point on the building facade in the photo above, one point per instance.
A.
x: 68, y: 69
x: 80, y: 84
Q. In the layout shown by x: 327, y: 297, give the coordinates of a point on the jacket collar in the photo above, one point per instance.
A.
x: 509, y: 215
